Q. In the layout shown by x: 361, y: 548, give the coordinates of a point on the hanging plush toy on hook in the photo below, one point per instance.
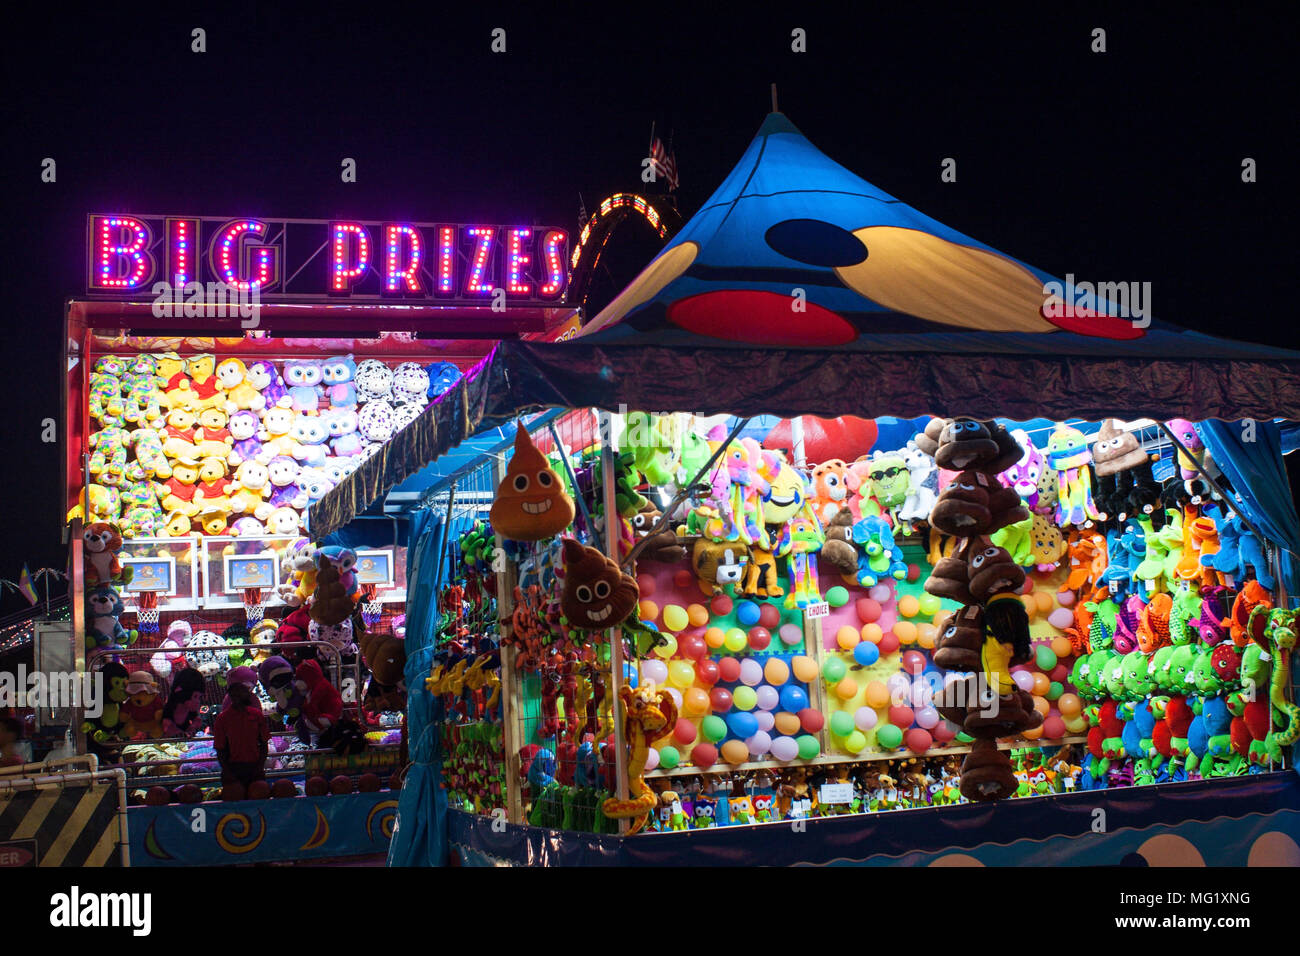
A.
x: 531, y: 503
x: 1069, y: 454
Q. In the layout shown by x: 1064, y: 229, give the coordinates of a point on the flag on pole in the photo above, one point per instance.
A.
x: 665, y: 163
x: 25, y: 586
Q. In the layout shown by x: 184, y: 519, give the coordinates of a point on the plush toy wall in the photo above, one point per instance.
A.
x: 224, y: 445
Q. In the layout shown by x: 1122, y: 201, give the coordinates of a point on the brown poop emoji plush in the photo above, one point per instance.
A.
x: 928, y: 440
x: 986, y: 773
x: 597, y: 594
x: 664, y: 546
x: 951, y: 577
x: 531, y: 503
x: 838, y: 549
x: 1116, y: 450
x: 990, y: 571
x: 965, y: 443
x: 957, y: 648
x: 331, y: 604
x: 974, y: 503
x: 1009, y: 450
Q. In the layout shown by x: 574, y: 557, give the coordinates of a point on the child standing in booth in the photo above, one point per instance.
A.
x: 241, y: 732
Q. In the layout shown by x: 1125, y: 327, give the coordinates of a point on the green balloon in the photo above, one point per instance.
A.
x: 834, y: 670
x: 963, y: 737
x: 1045, y: 657
x: 808, y: 746
x: 713, y: 727
x: 889, y: 736
x: 1056, y: 690
x: 837, y: 596
x: 855, y: 742
x: 841, y: 723
x: 669, y: 757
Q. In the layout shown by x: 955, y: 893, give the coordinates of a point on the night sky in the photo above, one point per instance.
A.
x: 1124, y: 165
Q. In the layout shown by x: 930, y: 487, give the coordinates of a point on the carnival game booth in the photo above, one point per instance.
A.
x: 1058, y: 584
x: 195, y: 451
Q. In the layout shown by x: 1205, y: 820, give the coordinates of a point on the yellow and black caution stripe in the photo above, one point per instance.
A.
x: 73, y: 823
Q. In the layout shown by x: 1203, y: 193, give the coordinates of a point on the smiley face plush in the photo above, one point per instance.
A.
x: 531, y: 503
x: 597, y: 594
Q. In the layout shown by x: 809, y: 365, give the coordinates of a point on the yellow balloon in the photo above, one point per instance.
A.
x: 695, y: 702
x: 698, y: 615
x: 787, y: 723
x: 648, y: 610
x: 905, y: 631
x: 855, y: 742
x: 847, y: 637
x: 1069, y: 705
x: 735, y: 752
x: 715, y: 637
x: 736, y: 640
x: 776, y: 671
x: 846, y: 689
x: 675, y: 618
x: 681, y: 673
x: 908, y: 606
x: 669, y: 649
x: 1061, y: 647
x: 929, y: 604
x: 926, y: 635
x: 877, y: 695
x: 805, y: 669
x: 872, y: 632
x: 1076, y: 723
x: 1044, y: 601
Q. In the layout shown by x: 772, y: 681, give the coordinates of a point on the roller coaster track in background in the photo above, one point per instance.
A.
x: 657, y: 212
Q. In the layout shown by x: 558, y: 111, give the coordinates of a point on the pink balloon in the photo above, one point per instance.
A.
x: 751, y: 672
x: 759, y: 744
x: 927, y: 717
x: 922, y: 694
x: 791, y: 634
x: 880, y: 593
x: 1066, y: 598
x: 652, y: 759
x: 655, y: 670
x: 768, y: 698
x: 1061, y: 618
x: 676, y: 695
x: 887, y: 620
x: 766, y: 719
x: 864, y: 718
x: 1024, y: 680
x: 784, y: 748
x: 900, y: 688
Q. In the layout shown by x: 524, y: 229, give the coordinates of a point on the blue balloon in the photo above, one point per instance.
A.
x: 629, y: 675
x: 747, y: 613
x: 866, y: 653
x: 793, y: 698
x: 742, y: 723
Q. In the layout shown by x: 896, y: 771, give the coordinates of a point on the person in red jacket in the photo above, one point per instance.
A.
x: 240, y: 732
x: 323, y: 706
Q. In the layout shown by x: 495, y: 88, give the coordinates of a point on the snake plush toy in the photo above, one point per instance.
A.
x: 648, y: 714
x: 1274, y: 630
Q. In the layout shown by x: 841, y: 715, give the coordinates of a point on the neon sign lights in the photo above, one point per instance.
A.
x: 630, y: 201
x: 305, y: 259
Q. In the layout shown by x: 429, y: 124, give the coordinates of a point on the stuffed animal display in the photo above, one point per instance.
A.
x: 311, y: 422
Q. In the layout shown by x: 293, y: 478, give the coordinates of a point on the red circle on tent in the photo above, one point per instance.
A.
x: 1096, y: 324
x: 766, y: 318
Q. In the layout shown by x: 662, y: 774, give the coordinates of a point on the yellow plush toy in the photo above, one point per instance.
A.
x: 177, y: 492
x: 240, y: 393
x: 177, y: 390
x: 178, y: 435
x: 212, y: 438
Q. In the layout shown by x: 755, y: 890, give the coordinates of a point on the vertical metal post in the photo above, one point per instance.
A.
x: 511, y: 692
x: 607, y: 462
x: 796, y: 442
x: 77, y: 614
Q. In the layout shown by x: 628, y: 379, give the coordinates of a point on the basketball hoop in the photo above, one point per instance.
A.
x: 371, y: 608
x: 146, y: 611
x: 254, y: 609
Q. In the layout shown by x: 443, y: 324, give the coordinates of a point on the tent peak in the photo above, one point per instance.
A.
x: 777, y: 123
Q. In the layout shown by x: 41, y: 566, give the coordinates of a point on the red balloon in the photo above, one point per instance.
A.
x: 706, y: 672
x: 868, y: 610
x: 913, y: 572
x: 683, y: 579
x: 684, y: 732
x: 704, y: 755
x: 918, y: 740
x: 721, y: 605
x: 888, y: 644
x: 1054, y: 727
x: 943, y: 732
x: 759, y: 638
x: 845, y: 437
x: 769, y: 616
x: 729, y: 669
x: 913, y: 662
x: 693, y: 648
x: 900, y: 715
x: 1060, y: 673
x: 720, y: 700
x: 812, y: 721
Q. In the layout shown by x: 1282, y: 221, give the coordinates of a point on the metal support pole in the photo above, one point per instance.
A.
x: 607, y: 452
x: 796, y: 442
x: 1228, y: 502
